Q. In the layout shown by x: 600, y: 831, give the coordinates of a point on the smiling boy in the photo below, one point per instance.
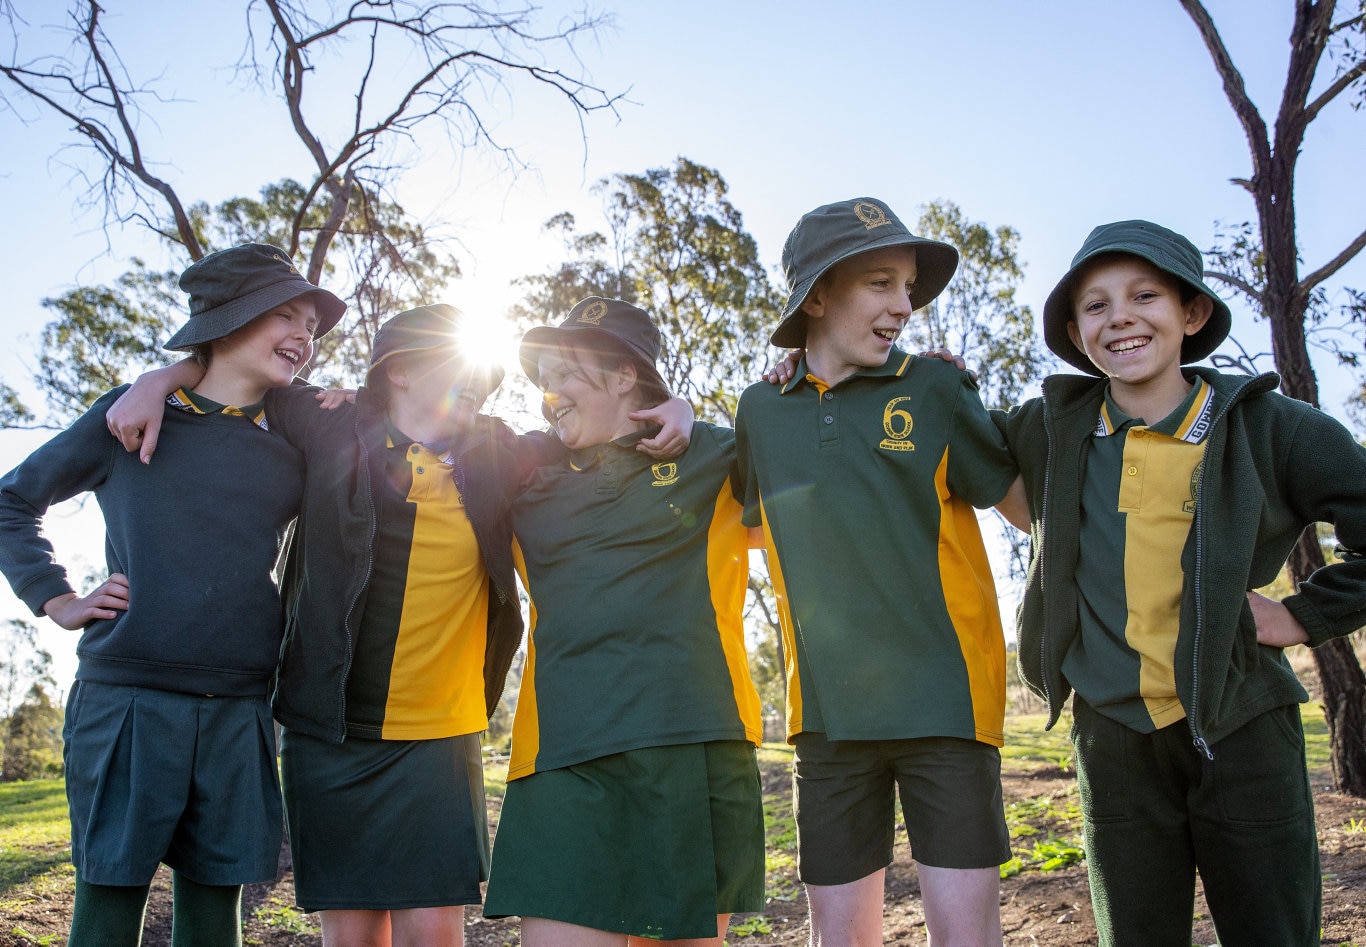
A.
x: 1160, y: 497
x: 863, y: 471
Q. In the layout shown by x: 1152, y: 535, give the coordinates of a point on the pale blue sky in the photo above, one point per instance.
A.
x: 1051, y: 116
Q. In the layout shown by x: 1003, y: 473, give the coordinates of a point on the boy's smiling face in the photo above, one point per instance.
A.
x: 856, y: 311
x: 270, y: 350
x: 1128, y: 317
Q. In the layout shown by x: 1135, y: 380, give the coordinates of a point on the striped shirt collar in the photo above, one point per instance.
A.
x: 189, y: 401
x: 1190, y: 422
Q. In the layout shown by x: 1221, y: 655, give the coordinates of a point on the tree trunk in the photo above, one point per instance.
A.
x: 1344, y: 686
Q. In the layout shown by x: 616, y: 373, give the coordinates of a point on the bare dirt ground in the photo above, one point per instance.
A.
x: 1041, y: 908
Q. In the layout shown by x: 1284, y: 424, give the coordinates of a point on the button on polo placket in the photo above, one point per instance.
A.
x: 829, y: 418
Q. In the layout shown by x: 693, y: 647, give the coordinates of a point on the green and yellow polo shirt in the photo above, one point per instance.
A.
x: 637, y: 573
x: 1139, y: 494
x: 866, y: 491
x: 417, y: 670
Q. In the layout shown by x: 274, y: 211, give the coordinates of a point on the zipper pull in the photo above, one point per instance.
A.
x: 1203, y: 747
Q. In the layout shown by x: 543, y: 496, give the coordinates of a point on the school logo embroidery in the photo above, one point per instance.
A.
x: 1189, y: 505
x: 592, y: 313
x: 897, y: 424
x: 871, y: 215
x: 665, y: 474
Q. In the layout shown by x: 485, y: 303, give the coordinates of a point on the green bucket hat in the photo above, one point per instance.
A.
x: 1165, y: 249
x: 597, y: 317
x: 835, y: 232
x: 231, y: 287
x: 431, y: 328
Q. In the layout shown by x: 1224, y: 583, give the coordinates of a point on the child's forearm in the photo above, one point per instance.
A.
x: 135, y: 419
x: 1014, y: 506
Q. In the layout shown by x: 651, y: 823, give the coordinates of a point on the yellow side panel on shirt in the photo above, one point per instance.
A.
x: 437, y: 679
x: 526, y: 722
x: 1157, y: 494
x: 970, y: 595
x: 789, y: 636
x: 728, y: 576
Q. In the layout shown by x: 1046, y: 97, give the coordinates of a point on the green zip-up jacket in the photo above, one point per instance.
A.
x: 1272, y: 467
x: 327, y: 570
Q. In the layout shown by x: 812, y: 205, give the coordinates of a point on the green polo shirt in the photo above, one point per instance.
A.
x: 637, y: 572
x: 1138, y: 499
x: 866, y: 492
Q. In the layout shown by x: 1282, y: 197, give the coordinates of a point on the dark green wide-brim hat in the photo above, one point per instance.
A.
x: 432, y: 328
x: 1165, y: 249
x: 231, y: 287
x: 597, y: 317
x: 835, y: 232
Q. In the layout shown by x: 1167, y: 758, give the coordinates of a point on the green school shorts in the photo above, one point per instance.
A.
x: 844, y: 793
x: 155, y: 776
x: 381, y: 825
x: 653, y: 842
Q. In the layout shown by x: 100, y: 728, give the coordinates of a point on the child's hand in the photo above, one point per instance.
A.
x: 333, y: 398
x: 955, y: 360
x: 675, y: 418
x: 135, y: 419
x: 74, y: 612
x: 1276, y: 626
x: 782, y: 373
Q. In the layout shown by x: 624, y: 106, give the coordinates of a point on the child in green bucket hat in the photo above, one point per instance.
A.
x: 169, y: 749
x: 1161, y: 496
x: 864, y: 471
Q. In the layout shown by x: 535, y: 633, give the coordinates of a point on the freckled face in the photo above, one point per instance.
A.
x: 857, y: 311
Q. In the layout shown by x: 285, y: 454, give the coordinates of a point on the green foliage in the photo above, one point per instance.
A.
x: 758, y: 924
x: 678, y: 248
x: 34, y: 832
x: 104, y: 336
x: 286, y: 917
x: 33, y: 738
x: 978, y: 315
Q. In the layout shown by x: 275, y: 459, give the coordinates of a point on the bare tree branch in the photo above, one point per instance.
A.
x: 1336, y: 263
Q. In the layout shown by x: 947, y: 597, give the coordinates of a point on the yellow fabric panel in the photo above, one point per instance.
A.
x: 728, y: 578
x: 1157, y: 494
x: 444, y: 625
x: 789, y: 635
x: 526, y: 722
x: 970, y: 595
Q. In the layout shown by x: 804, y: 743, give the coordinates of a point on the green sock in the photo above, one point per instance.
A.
x: 205, y: 915
x: 107, y: 915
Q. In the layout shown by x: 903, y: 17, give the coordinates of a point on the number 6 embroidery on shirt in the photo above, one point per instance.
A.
x: 897, y: 424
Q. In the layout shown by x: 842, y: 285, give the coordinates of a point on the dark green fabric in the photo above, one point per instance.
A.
x: 205, y: 915
x: 845, y: 793
x: 1272, y: 467
x: 835, y: 232
x: 385, y: 825
x: 154, y: 776
x: 594, y: 316
x: 1101, y: 663
x: 1164, y: 249
x: 231, y: 287
x: 654, y: 842
x: 107, y: 915
x: 327, y: 568
x: 856, y: 528
x: 197, y: 532
x: 1156, y: 810
x: 628, y: 651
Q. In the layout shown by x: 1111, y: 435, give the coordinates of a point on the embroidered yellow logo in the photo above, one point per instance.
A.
x: 871, y: 215
x: 665, y: 474
x: 592, y: 313
x: 1189, y: 505
x: 897, y: 424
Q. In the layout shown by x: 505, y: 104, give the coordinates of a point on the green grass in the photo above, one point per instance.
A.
x: 35, y: 839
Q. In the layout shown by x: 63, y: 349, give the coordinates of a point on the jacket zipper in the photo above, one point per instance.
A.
x: 365, y: 576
